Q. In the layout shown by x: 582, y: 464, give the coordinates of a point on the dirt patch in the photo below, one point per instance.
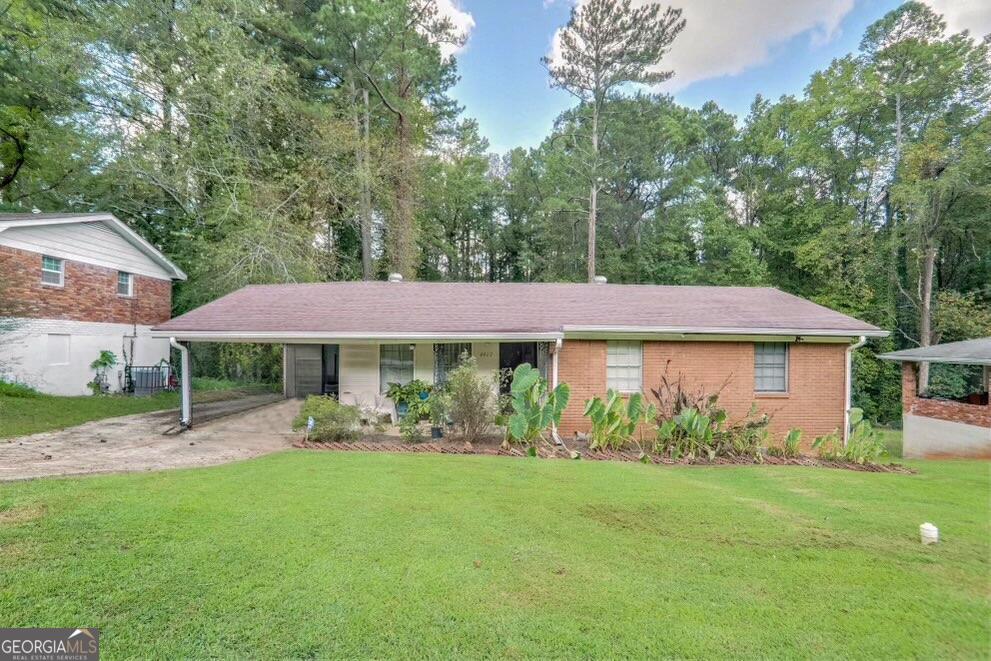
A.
x: 454, y: 447
x: 13, y: 516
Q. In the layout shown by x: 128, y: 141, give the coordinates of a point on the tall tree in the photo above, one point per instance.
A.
x: 606, y: 44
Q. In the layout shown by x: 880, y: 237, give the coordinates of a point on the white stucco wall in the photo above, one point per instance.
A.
x: 54, y: 355
x: 923, y: 437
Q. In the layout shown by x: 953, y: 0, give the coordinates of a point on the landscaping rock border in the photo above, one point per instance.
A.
x: 594, y: 455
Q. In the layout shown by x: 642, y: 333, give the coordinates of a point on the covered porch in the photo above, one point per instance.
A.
x: 358, y: 370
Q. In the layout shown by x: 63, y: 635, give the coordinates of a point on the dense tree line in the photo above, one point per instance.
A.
x: 277, y: 140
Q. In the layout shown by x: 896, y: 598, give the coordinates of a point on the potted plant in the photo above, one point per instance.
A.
x: 410, y: 399
x: 439, y: 406
x: 100, y: 385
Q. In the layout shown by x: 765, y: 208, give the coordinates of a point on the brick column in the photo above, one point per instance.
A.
x: 910, y: 386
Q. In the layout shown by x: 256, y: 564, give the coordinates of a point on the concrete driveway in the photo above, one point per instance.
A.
x: 144, y: 442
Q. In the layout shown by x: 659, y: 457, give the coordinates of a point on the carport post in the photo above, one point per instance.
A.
x: 185, y: 385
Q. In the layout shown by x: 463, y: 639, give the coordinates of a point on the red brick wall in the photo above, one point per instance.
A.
x: 969, y: 414
x: 814, y: 403
x: 89, y: 292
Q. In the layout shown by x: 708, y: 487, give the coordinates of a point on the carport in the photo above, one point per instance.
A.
x: 939, y: 427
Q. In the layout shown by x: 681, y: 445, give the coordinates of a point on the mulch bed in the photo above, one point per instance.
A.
x: 449, y: 447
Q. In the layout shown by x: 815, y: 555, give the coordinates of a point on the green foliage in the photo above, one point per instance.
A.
x: 472, y: 399
x: 105, y: 360
x: 409, y: 430
x: 17, y: 390
x: 859, y: 193
x: 615, y: 421
x: 535, y: 408
x: 864, y: 445
x: 415, y: 395
x: 100, y: 385
x: 790, y: 446
x: 332, y: 421
x: 440, y: 408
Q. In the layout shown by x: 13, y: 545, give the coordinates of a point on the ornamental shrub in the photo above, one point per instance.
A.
x: 470, y: 400
x: 332, y: 421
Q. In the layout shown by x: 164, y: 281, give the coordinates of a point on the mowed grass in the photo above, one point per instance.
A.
x: 318, y: 554
x: 24, y: 411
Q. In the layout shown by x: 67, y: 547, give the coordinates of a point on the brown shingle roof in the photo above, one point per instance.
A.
x: 388, y: 308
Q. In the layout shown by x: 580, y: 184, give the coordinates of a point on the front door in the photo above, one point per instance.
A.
x: 331, y: 370
x: 513, y: 354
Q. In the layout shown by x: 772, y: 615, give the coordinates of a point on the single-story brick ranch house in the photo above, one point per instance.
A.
x: 350, y: 339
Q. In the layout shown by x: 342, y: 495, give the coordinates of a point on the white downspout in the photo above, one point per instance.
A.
x: 185, y: 384
x: 557, y: 349
x: 848, y: 399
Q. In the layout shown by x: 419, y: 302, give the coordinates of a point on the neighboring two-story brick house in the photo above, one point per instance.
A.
x: 72, y: 285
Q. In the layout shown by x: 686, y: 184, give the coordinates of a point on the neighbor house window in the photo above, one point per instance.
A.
x: 125, y: 284
x: 624, y: 366
x: 771, y: 367
x: 395, y: 365
x: 447, y: 357
x: 52, y: 271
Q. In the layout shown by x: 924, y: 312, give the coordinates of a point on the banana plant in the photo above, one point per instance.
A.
x: 535, y: 408
x: 615, y: 421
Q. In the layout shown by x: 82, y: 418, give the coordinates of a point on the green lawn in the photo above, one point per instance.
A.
x: 316, y: 554
x: 29, y: 412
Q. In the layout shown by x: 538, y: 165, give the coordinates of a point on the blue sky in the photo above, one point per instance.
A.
x: 730, y: 52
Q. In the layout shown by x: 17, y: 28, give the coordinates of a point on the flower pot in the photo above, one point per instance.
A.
x: 436, y: 432
x: 402, y: 408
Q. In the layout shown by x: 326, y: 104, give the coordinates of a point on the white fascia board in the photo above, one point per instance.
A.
x: 133, y: 237
x: 352, y: 337
x: 712, y: 333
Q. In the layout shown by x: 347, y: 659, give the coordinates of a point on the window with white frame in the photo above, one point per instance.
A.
x: 447, y: 357
x: 771, y: 367
x: 125, y: 284
x: 395, y: 365
x: 52, y: 271
x: 624, y: 366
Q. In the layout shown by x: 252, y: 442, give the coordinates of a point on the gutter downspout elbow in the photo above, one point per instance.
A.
x: 848, y: 386
x: 185, y: 384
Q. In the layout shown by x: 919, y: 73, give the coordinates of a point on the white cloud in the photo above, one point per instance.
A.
x: 960, y: 15
x: 725, y: 38
x: 463, y: 22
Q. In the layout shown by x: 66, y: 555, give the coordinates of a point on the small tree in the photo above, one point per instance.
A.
x: 470, y: 400
x: 535, y: 407
x: 104, y: 362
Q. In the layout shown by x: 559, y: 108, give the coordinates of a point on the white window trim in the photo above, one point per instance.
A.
x: 61, y: 271
x: 130, y: 284
x: 620, y: 390
x: 787, y: 388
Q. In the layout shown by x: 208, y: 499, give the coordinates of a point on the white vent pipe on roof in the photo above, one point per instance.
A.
x: 395, y: 277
